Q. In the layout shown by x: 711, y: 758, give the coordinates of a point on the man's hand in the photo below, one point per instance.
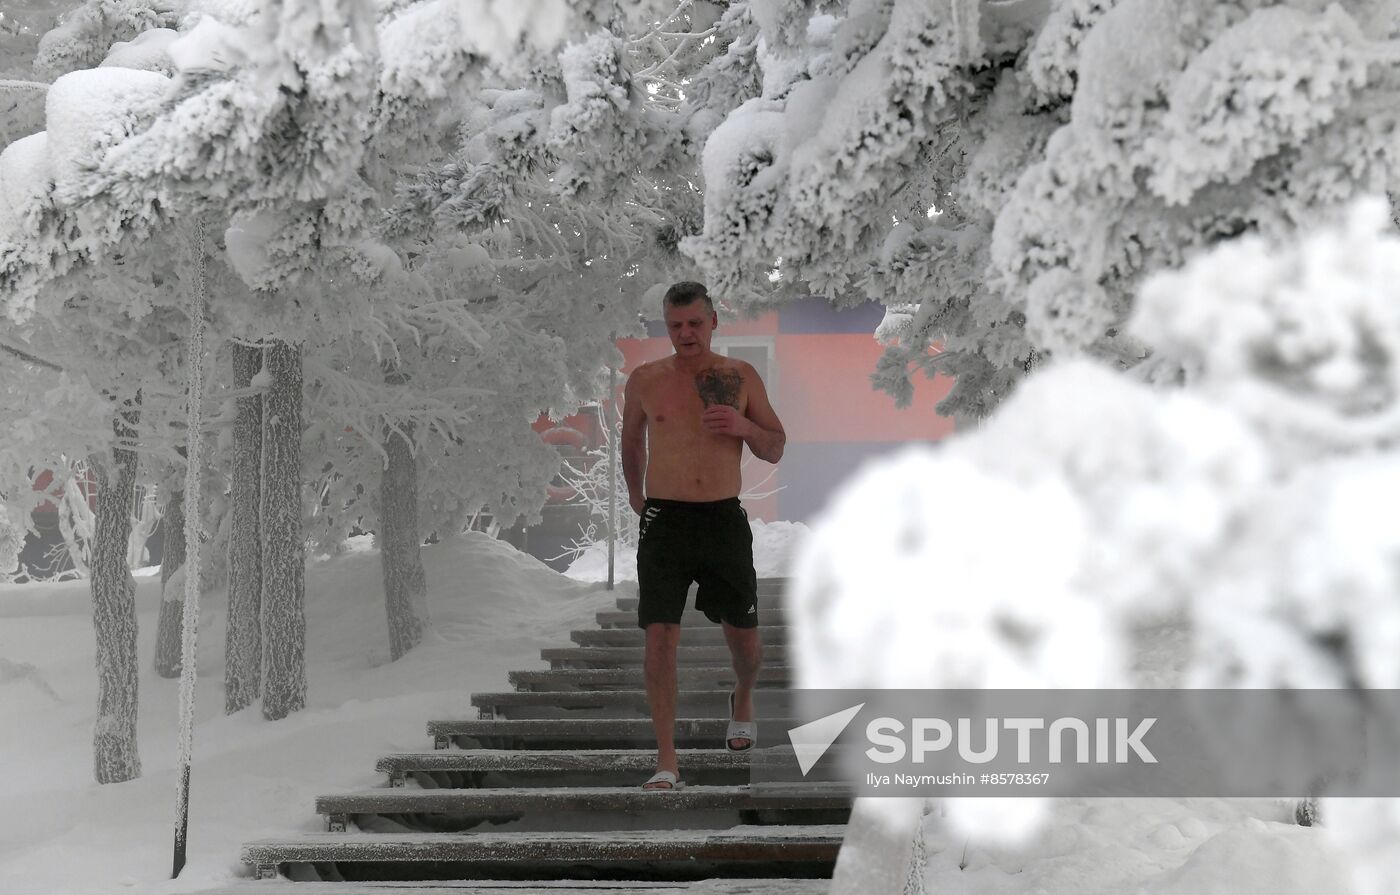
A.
x: 637, y: 501
x: 722, y: 419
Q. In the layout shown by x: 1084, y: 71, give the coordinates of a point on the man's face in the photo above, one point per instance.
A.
x: 691, y: 327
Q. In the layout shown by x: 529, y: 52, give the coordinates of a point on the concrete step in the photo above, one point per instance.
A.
x: 693, y: 677
x: 622, y: 656
x: 447, y: 768
x: 586, y: 807
x: 590, y: 733
x: 529, y: 887
x: 617, y: 618
x: 603, y: 703
x: 704, y: 636
x: 803, y: 851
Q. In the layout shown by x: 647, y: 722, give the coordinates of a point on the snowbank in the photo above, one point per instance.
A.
x: 493, y: 608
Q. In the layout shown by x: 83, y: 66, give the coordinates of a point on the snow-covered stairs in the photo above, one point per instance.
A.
x: 624, y: 656
x: 627, y: 618
x: 570, y: 733
x: 532, y: 767
x: 595, y: 703
x: 544, y: 786
x: 470, y: 806
x: 772, y: 635
x: 507, y: 887
x: 631, y: 678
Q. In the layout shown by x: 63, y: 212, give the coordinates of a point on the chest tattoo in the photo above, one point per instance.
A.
x: 719, y: 387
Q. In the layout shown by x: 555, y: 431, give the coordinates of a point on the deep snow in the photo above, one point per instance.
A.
x: 492, y: 609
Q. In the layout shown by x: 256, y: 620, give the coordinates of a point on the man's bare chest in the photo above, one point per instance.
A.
x: 677, y: 401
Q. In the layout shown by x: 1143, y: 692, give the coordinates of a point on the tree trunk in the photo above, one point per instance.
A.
x: 243, y: 643
x: 405, y: 587
x: 283, y: 560
x: 114, y: 610
x: 172, y: 601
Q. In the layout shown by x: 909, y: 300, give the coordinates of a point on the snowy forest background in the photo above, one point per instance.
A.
x: 311, y: 267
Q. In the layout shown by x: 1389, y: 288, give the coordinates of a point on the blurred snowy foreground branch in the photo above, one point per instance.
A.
x: 1246, y: 500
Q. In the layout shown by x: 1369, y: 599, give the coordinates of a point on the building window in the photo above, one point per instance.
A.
x: 755, y: 350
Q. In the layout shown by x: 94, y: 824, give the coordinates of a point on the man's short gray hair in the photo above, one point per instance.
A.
x: 685, y: 292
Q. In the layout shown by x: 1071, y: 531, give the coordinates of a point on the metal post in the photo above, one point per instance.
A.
x: 612, y: 469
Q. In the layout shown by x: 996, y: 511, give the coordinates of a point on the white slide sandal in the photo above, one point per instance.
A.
x: 671, y: 781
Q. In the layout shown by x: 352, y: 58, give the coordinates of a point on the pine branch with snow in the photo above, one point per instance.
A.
x: 1037, y: 160
x: 1244, y: 500
x: 89, y: 31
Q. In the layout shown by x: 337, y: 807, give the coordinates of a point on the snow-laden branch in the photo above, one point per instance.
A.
x: 657, y: 27
x: 684, y: 43
x: 29, y: 358
x: 34, y: 86
x: 368, y: 409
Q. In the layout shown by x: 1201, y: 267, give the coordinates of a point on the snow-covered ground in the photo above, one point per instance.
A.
x: 493, y: 609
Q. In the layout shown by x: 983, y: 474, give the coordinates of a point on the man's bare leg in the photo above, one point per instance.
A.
x: 660, y: 669
x: 746, y: 653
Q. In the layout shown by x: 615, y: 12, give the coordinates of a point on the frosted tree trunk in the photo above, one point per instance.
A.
x: 143, y: 525
x: 172, y: 600
x: 114, y: 609
x: 405, y: 587
x: 283, y: 560
x: 75, y: 522
x: 243, y: 643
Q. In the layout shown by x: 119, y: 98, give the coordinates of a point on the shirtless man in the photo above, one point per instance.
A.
x: 685, y: 422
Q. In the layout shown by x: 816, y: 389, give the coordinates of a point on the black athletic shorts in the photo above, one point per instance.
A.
x: 709, y: 543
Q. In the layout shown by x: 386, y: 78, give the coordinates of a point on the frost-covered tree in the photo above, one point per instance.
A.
x: 266, y: 122
x: 1001, y: 176
x: 242, y: 640
x: 172, y: 558
x: 114, y: 608
x: 295, y: 124
x: 1245, y: 501
x: 513, y: 265
x: 59, y: 411
x: 111, y: 32
x: 98, y: 281
x: 11, y: 543
x: 21, y: 90
x: 558, y: 215
x: 138, y: 430
x: 98, y: 342
x: 281, y: 610
x: 298, y: 157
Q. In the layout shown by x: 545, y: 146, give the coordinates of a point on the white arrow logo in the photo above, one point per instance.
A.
x: 811, y: 740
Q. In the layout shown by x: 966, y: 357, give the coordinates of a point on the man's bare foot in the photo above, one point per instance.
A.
x: 742, y: 731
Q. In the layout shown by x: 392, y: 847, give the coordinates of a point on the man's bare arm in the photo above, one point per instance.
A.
x: 765, y: 437
x: 634, y: 443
